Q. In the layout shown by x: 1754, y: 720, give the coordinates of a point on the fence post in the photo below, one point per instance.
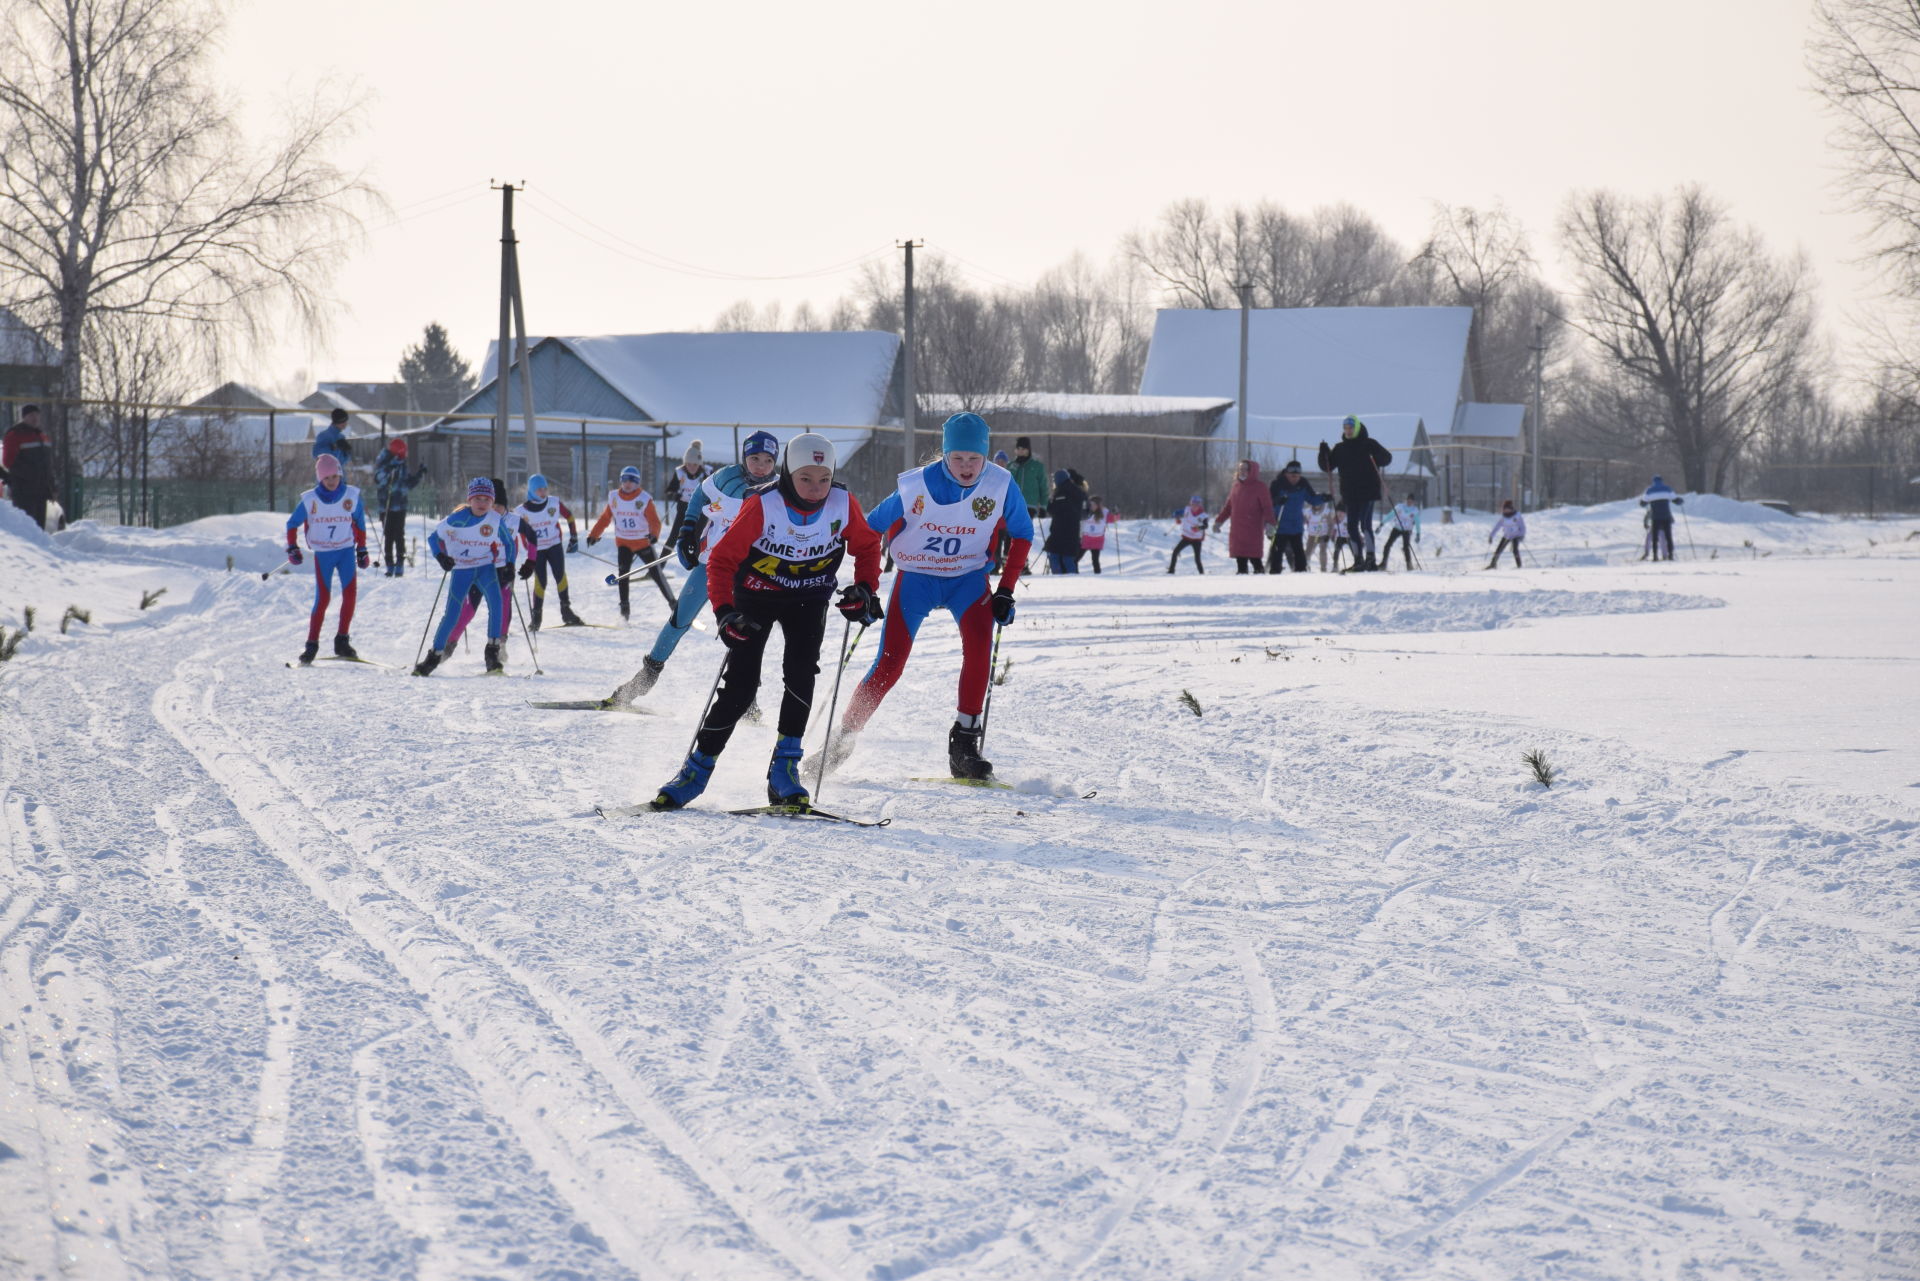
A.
x: 1870, y: 470
x: 272, y: 442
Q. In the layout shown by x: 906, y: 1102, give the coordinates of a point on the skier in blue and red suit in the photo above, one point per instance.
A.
x: 336, y: 523
x: 942, y: 522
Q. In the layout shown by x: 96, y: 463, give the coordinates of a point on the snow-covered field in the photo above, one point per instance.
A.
x: 332, y: 972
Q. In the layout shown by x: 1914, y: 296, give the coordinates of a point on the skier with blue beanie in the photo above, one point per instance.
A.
x: 710, y: 513
x: 1660, y: 500
x: 542, y: 514
x: 942, y: 521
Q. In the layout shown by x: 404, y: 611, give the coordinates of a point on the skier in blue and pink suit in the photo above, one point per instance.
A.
x: 942, y: 522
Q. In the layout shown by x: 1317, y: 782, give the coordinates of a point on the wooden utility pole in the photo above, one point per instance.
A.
x: 513, y: 317
x: 1539, y: 353
x: 907, y: 393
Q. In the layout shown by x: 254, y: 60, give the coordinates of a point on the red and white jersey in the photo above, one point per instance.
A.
x: 630, y: 515
x: 721, y: 510
x: 789, y: 556
x: 330, y: 524
x: 946, y: 540
x: 689, y: 486
x: 545, y: 522
x: 1192, y: 524
x: 484, y: 542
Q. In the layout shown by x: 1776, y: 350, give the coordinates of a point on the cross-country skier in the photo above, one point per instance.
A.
x: 778, y: 564
x: 942, y: 520
x: 1249, y: 506
x: 1093, y: 530
x: 543, y: 514
x: 636, y: 528
x: 1660, y: 500
x: 1342, y: 546
x: 1360, y: 461
x: 1511, y: 527
x: 1319, y: 530
x: 336, y: 524
x: 715, y: 506
x: 1190, y: 522
x: 516, y: 535
x: 684, y: 483
x: 1291, y: 495
x: 471, y: 545
x: 395, y: 481
x: 1405, y: 519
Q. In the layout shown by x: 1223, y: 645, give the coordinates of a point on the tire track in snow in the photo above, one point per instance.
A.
x: 543, y: 1069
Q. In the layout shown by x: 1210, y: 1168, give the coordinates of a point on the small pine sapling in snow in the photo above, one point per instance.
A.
x: 28, y: 612
x: 10, y: 645
x: 1006, y: 667
x: 74, y: 613
x: 1188, y: 701
x: 147, y: 598
x: 1543, y: 773
x: 229, y: 564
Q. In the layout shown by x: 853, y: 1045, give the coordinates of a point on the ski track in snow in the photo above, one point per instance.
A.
x: 323, y: 975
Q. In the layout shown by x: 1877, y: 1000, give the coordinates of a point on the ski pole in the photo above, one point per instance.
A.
x: 833, y: 705
x: 717, y: 677
x: 1691, y: 549
x: 521, y: 615
x: 421, y: 648
x: 614, y: 579
x: 590, y: 556
x: 993, y: 664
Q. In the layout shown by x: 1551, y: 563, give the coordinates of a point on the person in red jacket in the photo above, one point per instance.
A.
x: 778, y: 565
x: 26, y: 464
x: 1249, y: 506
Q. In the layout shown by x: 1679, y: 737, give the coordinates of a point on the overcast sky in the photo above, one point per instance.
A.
x: 762, y: 138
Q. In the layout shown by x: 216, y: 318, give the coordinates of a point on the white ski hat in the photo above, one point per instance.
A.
x: 691, y: 458
x: 808, y: 449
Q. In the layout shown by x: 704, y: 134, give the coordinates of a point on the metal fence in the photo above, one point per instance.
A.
x: 1138, y: 474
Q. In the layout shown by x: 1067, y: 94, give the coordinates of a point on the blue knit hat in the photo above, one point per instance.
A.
x: 630, y: 474
x: 964, y: 433
x: 761, y: 442
x: 479, y: 485
x: 535, y: 481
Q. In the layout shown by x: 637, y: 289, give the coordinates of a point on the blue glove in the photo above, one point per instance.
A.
x: 1003, y: 607
x: 573, y: 542
x: 293, y: 556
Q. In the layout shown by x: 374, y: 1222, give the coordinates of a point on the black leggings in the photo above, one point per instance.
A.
x: 1360, y: 526
x: 627, y: 556
x: 1181, y: 546
x: 1287, y: 553
x: 1095, y: 553
x: 1405, y: 539
x: 1662, y: 531
x: 393, y: 528
x: 1246, y: 564
x: 803, y: 624
x: 1504, y: 543
x: 550, y: 560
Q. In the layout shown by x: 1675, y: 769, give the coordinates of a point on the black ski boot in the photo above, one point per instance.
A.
x: 567, y: 617
x: 343, y: 648
x: 426, y: 665
x: 539, y: 608
x: 963, y: 754
x: 306, y: 654
x: 496, y: 665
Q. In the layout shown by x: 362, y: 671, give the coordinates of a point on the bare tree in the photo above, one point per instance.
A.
x: 1865, y: 59
x: 125, y: 185
x: 1693, y: 320
x: 1337, y: 257
x: 1479, y: 258
x: 133, y: 363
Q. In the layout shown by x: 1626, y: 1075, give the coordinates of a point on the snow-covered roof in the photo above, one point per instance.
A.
x: 1503, y: 421
x: 1402, y: 434
x: 835, y: 379
x: 21, y: 343
x: 1317, y: 361
x: 1062, y: 404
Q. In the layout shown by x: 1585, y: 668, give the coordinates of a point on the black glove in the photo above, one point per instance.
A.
x: 526, y: 569
x: 573, y: 542
x: 446, y: 561
x: 592, y: 539
x: 738, y: 629
x: 858, y: 604
x: 688, y: 550
x: 505, y: 573
x: 361, y: 558
x: 1003, y: 606
x: 294, y: 556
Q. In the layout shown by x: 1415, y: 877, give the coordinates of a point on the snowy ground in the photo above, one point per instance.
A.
x: 330, y: 972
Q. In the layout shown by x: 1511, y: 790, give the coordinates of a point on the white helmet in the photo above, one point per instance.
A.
x: 808, y: 450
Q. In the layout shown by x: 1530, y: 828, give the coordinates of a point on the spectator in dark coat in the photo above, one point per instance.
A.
x: 1066, y: 509
x: 26, y: 456
x: 1291, y: 493
x: 332, y: 439
x: 1359, y: 460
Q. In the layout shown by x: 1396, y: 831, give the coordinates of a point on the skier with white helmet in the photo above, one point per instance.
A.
x: 777, y: 566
